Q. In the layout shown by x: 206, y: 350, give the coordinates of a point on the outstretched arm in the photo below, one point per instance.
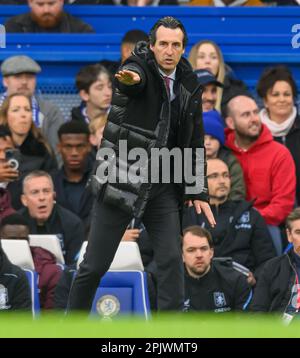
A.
x: 128, y: 78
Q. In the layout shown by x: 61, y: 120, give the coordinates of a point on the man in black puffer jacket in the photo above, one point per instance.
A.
x: 156, y: 105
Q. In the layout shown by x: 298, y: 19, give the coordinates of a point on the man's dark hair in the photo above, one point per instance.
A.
x: 293, y: 216
x: 4, y: 131
x: 170, y: 23
x: 273, y: 74
x: 73, y: 127
x: 198, y: 231
x: 14, y: 219
x: 134, y: 36
x: 88, y: 75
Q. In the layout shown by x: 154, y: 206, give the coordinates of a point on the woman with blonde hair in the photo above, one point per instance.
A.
x: 207, y: 55
x: 34, y: 151
x: 12, y: 101
x: 96, y: 127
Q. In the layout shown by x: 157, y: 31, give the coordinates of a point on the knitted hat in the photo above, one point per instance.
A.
x: 213, y: 125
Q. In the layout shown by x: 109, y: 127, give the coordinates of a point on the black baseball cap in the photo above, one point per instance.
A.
x: 205, y: 77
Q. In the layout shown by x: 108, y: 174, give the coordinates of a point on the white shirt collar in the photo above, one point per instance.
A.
x: 172, y: 76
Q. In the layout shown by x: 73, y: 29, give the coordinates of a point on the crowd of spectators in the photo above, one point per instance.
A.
x: 253, y: 172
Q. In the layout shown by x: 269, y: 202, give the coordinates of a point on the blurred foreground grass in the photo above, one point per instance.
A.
x: 166, y: 325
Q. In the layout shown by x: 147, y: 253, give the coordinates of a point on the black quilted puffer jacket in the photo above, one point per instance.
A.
x: 140, y: 114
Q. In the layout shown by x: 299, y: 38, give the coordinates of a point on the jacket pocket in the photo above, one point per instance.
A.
x: 122, y: 199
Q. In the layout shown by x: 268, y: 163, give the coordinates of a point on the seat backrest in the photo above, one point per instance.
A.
x: 50, y: 243
x: 122, y: 292
x: 127, y: 257
x: 123, y: 289
x: 64, y: 101
x: 18, y: 252
x: 34, y: 291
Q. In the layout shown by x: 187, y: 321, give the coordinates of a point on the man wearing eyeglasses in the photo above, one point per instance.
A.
x: 241, y: 232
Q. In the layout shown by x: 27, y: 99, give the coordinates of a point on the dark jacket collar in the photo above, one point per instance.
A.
x: 2, y: 255
x: 4, y: 262
x: 86, y: 171
x: 31, y: 146
x: 239, y: 207
x: 296, y: 125
x: 32, y: 221
x: 295, y: 258
x: 26, y: 21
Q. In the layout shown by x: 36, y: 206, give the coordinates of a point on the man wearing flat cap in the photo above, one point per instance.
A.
x: 209, y: 84
x: 19, y: 76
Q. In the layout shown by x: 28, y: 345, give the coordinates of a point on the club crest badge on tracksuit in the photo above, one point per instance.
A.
x: 219, y: 299
x: 3, y: 298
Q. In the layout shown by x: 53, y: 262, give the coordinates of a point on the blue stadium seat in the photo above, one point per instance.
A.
x: 32, y: 277
x: 123, y: 289
x: 122, y: 292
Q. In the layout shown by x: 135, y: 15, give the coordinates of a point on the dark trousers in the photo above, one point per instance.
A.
x: 161, y: 219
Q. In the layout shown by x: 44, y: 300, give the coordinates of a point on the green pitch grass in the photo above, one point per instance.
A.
x: 165, y: 326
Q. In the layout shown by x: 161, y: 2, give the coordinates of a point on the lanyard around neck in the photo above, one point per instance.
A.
x: 298, y: 293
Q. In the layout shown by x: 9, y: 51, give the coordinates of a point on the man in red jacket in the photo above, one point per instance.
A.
x: 268, y: 166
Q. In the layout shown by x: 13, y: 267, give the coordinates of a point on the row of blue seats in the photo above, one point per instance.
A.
x: 120, y: 293
x: 61, y: 56
x: 250, y: 38
x: 238, y: 20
